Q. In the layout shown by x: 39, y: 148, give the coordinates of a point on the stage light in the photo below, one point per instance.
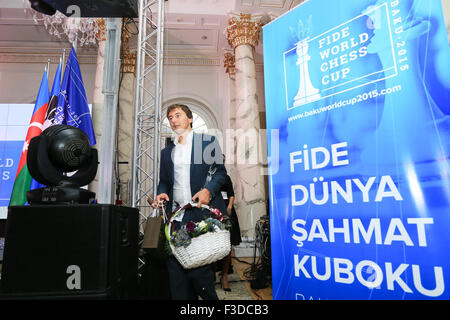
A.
x: 42, y: 7
x: 59, y: 150
x: 88, y: 8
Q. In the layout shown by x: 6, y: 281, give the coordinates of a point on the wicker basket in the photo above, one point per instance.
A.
x: 204, y: 249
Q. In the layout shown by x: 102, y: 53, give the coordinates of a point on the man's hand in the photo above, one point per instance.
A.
x: 202, y: 197
x: 159, y: 199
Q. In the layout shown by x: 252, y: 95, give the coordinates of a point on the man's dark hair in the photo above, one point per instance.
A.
x: 183, y: 107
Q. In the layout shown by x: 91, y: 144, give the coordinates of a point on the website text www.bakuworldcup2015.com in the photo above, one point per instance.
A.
x: 347, y: 102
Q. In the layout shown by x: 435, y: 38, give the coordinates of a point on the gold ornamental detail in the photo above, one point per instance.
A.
x: 229, y: 64
x: 101, y: 33
x: 129, y: 60
x: 127, y: 54
x: 243, y: 31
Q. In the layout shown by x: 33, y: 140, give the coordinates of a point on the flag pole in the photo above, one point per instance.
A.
x: 75, y: 42
x: 63, y: 56
x: 48, y: 67
x: 62, y: 65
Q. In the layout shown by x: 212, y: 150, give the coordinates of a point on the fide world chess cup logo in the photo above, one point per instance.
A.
x: 306, y: 92
x: 339, y: 56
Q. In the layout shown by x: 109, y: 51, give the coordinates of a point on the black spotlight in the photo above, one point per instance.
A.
x: 42, y: 7
x: 59, y: 150
x: 89, y: 8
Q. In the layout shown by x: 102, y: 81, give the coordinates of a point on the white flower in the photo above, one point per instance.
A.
x: 203, y: 225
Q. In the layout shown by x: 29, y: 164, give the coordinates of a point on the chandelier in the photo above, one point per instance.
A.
x: 78, y: 31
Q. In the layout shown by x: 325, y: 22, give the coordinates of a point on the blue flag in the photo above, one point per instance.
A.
x: 72, y: 108
x: 56, y: 87
x: 50, y: 114
x: 52, y: 104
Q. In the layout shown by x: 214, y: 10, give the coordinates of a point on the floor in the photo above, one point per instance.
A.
x: 240, y: 284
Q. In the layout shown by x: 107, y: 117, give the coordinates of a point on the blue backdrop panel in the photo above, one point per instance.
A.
x: 360, y: 197
x: 10, y: 152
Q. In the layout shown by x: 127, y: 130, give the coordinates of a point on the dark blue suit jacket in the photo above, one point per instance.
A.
x: 206, y: 160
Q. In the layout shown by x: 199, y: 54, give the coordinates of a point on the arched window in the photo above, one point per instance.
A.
x: 198, y: 125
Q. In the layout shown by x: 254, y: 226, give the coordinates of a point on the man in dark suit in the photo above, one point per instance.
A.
x: 191, y: 170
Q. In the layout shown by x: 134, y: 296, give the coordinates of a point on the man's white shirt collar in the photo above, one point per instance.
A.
x: 188, y: 138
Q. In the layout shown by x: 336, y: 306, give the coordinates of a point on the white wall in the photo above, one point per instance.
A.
x: 204, y: 84
x: 446, y: 6
x: 20, y: 81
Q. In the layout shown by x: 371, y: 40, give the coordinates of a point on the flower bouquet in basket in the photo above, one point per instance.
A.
x: 195, y: 244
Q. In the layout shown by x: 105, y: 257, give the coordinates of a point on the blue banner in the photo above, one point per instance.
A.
x: 10, y: 152
x: 359, y: 91
x: 73, y: 108
x: 13, y: 130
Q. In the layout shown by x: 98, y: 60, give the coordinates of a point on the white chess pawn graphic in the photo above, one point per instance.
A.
x: 306, y: 92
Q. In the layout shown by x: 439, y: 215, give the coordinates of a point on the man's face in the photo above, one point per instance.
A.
x: 179, y: 122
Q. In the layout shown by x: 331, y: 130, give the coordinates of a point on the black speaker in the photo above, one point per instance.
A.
x: 2, y: 228
x: 88, y: 8
x: 70, y: 252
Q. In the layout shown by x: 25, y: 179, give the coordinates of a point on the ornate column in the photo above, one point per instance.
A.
x: 242, y: 34
x: 125, y: 114
x: 229, y: 148
x: 126, y: 122
x: 98, y: 98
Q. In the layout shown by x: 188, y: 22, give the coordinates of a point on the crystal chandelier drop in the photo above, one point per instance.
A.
x: 83, y: 31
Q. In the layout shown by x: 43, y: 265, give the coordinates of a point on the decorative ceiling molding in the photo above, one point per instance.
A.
x: 194, y: 32
x: 8, y: 57
x: 192, y: 61
x: 295, y: 3
x: 272, y: 3
x: 170, y: 60
x: 248, y: 3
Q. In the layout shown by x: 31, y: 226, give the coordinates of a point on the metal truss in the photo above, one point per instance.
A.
x: 147, y: 116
